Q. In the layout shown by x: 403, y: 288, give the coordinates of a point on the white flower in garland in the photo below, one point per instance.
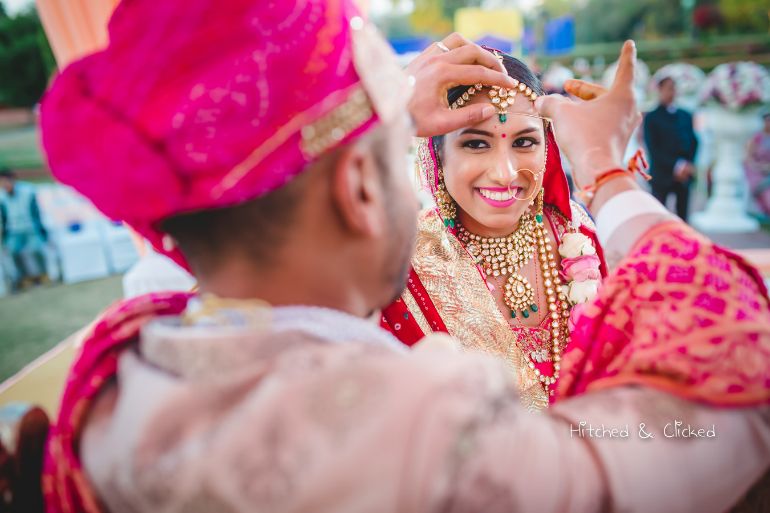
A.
x: 582, y: 291
x: 576, y: 244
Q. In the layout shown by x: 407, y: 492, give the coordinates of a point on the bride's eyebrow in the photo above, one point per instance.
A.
x: 526, y: 130
x: 476, y: 131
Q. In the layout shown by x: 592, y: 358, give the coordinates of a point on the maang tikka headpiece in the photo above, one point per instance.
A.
x: 499, y: 96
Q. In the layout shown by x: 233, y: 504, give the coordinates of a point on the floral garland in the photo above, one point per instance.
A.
x: 580, y: 270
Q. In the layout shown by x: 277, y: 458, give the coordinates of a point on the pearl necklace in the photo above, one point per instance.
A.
x: 505, y: 256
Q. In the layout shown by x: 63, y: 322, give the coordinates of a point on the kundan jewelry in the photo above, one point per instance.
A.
x: 500, y: 97
x: 505, y: 257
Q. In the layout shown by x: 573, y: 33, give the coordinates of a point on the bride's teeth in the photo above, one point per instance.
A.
x: 497, y: 195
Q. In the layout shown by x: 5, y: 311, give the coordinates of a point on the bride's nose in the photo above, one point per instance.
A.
x: 503, y: 172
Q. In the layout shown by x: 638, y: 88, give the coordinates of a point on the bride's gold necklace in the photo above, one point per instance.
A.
x: 505, y: 256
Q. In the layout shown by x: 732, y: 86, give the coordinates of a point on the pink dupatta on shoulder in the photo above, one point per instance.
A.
x: 679, y: 314
x: 64, y: 485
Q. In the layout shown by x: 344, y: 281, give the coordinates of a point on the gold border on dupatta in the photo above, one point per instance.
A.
x: 414, y: 308
x: 467, y: 308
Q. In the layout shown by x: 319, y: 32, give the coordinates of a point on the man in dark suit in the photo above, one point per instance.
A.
x: 671, y: 145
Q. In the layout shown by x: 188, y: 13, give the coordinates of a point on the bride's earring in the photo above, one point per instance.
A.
x: 447, y: 208
x: 446, y: 205
x: 539, y: 205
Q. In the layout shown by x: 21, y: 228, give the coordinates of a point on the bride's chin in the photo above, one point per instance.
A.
x: 501, y: 222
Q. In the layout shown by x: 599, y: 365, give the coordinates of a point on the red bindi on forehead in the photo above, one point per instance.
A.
x: 503, y: 135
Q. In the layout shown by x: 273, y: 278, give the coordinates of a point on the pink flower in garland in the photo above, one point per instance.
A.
x: 579, y: 268
x: 582, y: 268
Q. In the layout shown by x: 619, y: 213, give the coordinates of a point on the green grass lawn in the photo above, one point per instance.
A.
x: 19, y: 148
x: 34, y: 321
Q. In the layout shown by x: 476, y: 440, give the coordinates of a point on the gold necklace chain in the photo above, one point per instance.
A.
x: 504, y: 257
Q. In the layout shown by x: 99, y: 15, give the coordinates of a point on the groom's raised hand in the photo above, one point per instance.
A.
x: 594, y: 129
x: 452, y: 62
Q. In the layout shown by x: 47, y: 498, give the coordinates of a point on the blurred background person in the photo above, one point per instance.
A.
x: 671, y: 145
x: 757, y: 166
x: 23, y: 235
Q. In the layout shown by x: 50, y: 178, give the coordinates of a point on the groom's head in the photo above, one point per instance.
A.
x: 229, y: 134
x: 349, y: 219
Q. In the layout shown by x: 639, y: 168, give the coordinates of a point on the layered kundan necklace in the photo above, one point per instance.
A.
x: 506, y: 256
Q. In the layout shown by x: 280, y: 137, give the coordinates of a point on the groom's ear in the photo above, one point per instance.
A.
x: 358, y: 187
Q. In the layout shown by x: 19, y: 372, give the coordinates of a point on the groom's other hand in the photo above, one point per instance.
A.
x: 594, y: 129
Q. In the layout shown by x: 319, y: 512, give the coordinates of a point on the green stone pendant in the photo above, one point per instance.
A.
x: 503, y: 117
x: 525, y: 314
x: 513, y: 314
x: 539, y: 218
x: 533, y: 307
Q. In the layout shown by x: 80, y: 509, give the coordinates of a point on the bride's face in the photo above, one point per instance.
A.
x: 490, y: 168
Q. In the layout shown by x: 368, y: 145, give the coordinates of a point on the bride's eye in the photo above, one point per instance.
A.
x: 475, y: 144
x: 525, y: 142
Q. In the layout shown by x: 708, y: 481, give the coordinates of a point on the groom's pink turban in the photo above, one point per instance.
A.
x: 199, y: 104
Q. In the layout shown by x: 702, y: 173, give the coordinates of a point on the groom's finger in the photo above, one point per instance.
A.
x: 624, y: 77
x: 547, y: 106
x: 450, y: 120
x: 456, y: 40
x: 583, y: 90
x: 474, y: 54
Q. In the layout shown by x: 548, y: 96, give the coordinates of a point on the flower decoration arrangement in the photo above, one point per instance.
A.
x: 737, y: 86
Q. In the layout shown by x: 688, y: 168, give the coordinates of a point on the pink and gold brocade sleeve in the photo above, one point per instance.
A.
x: 678, y: 314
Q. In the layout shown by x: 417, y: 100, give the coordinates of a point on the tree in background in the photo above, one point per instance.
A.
x: 435, y: 17
x: 598, y: 21
x: 26, y: 60
x: 558, y: 8
x: 746, y: 15
x: 614, y: 20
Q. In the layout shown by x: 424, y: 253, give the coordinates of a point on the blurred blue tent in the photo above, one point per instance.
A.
x: 559, y: 35
x: 410, y: 44
x: 529, y: 41
x: 417, y: 44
